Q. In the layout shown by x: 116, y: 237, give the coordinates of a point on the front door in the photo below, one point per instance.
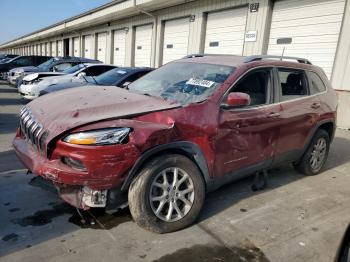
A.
x: 247, y: 136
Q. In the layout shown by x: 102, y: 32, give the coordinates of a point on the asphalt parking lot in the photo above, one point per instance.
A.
x: 296, y: 218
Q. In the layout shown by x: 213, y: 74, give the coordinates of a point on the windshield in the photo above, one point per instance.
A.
x: 112, y: 76
x: 185, y: 83
x: 73, y: 69
x: 46, y: 65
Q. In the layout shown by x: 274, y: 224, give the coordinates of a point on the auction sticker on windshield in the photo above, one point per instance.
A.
x: 200, y: 82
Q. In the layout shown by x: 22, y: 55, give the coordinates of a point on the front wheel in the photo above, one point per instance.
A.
x: 316, y: 155
x: 167, y: 195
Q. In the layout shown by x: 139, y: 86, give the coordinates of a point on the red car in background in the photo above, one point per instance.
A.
x: 181, y: 131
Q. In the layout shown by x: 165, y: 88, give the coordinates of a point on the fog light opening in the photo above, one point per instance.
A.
x: 94, y: 198
x: 74, y: 163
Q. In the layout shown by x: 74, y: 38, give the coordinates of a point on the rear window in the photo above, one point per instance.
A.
x: 316, y: 84
x: 293, y: 83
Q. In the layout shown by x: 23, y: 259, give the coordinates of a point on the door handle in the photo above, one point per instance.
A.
x: 273, y: 115
x: 315, y: 105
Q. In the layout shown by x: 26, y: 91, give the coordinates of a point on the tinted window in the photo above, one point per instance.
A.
x: 316, y: 84
x: 293, y: 83
x: 133, y: 77
x: 112, y: 76
x: 96, y: 70
x: 23, y: 61
x: 257, y: 85
x: 63, y: 66
x: 73, y: 69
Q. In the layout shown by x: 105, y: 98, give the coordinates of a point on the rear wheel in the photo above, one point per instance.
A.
x: 167, y: 195
x: 316, y: 155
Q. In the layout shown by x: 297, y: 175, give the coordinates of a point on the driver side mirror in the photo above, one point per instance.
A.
x: 237, y: 99
x: 126, y: 84
x: 81, y: 75
x: 54, y: 69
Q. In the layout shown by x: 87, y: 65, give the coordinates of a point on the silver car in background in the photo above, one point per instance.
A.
x: 32, y: 84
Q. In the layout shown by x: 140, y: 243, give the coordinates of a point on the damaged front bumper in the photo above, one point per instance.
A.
x: 97, y: 186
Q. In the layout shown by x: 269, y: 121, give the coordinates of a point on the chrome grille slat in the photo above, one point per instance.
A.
x: 31, y: 129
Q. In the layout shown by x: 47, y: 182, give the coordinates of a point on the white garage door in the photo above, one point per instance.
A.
x: 102, y: 47
x: 76, y: 47
x: 143, y: 45
x: 176, y: 34
x: 119, y: 48
x: 59, y: 48
x: 314, y: 27
x: 87, y: 46
x: 47, y: 48
x: 225, y: 32
x: 53, y: 49
x: 42, y: 49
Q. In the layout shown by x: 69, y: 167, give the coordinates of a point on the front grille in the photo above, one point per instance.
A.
x: 32, y: 130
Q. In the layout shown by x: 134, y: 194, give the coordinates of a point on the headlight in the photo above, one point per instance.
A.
x: 108, y: 136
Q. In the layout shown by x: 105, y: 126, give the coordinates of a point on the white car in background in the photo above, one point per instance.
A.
x: 32, y: 84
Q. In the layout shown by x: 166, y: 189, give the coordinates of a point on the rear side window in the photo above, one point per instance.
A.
x: 293, y: 83
x: 316, y: 84
x: 23, y: 61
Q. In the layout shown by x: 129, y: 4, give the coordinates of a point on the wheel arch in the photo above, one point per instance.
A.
x: 327, y: 125
x: 188, y: 149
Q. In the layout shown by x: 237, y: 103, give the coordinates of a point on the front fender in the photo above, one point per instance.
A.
x: 189, y: 149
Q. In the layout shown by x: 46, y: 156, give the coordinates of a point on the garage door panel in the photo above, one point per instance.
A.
x: 310, y: 21
x: 225, y: 31
x: 102, y: 47
x: 176, y: 33
x: 76, y: 47
x: 314, y: 27
x: 143, y: 45
x: 87, y: 46
x: 119, y: 47
x: 308, y: 30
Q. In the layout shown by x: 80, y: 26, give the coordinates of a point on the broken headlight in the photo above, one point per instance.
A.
x: 108, y: 136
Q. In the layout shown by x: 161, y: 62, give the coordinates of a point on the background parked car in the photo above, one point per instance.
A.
x: 19, y: 62
x: 6, y: 57
x: 32, y: 84
x: 120, y: 77
x: 55, y: 64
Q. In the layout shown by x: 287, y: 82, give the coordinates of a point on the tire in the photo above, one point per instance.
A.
x: 150, y: 184
x: 304, y: 165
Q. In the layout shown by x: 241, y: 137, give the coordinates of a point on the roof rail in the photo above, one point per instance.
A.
x: 262, y: 57
x: 202, y: 55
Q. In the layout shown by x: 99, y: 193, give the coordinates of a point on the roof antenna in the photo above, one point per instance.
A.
x: 283, y: 53
x: 284, y: 41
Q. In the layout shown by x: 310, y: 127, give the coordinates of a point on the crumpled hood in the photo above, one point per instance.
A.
x: 61, y: 111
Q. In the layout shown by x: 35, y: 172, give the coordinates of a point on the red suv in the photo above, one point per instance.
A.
x: 181, y: 131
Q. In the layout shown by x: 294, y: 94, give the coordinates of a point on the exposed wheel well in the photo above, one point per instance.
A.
x: 329, y: 128
x: 166, y: 151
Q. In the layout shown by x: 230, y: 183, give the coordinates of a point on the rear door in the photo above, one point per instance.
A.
x: 247, y: 136
x: 299, y: 115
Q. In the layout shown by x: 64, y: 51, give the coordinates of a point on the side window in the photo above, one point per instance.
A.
x: 63, y: 66
x: 316, y: 83
x: 257, y: 85
x: 23, y: 61
x: 97, y: 70
x: 293, y: 83
x: 133, y: 77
